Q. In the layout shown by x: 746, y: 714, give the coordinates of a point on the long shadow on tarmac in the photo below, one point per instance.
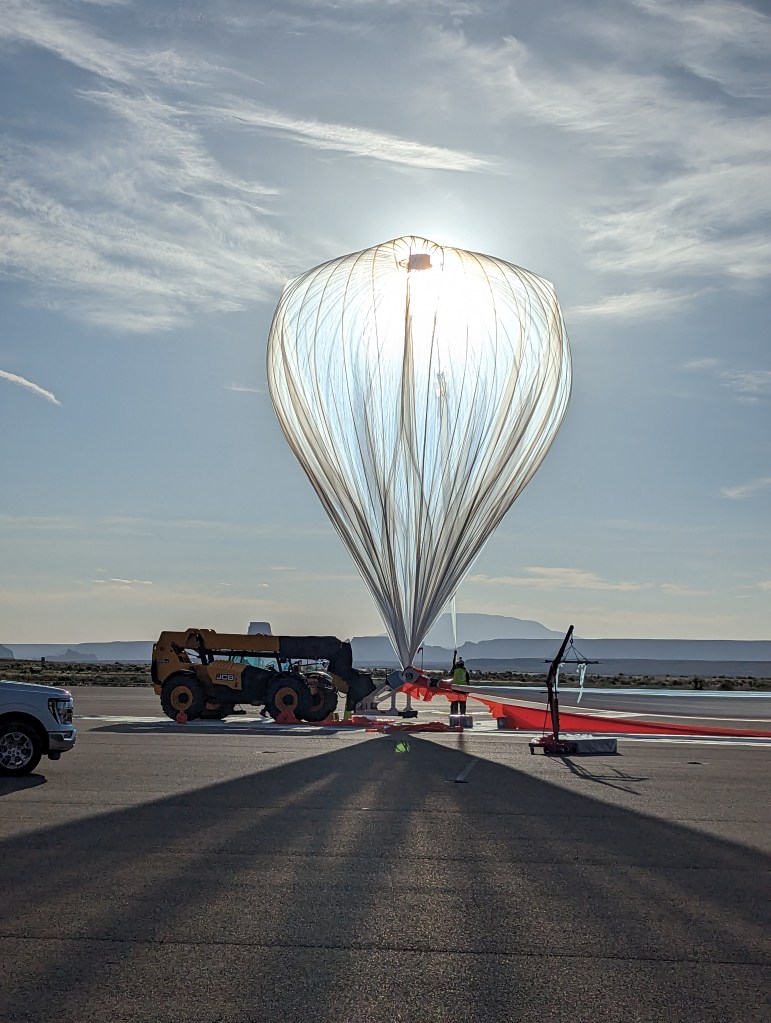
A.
x: 363, y: 885
x: 30, y: 781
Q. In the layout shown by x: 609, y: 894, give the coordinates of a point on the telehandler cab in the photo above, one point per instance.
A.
x: 204, y: 674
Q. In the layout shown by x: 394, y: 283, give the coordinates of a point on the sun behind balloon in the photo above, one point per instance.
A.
x: 420, y: 387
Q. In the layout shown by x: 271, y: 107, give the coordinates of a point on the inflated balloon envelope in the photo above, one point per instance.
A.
x: 420, y: 387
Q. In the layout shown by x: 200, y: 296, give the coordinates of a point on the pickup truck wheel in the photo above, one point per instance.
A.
x: 182, y: 694
x: 288, y: 693
x: 20, y: 748
x: 323, y: 703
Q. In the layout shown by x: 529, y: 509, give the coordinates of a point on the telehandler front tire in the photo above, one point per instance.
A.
x: 183, y: 694
x: 323, y: 703
x: 288, y: 693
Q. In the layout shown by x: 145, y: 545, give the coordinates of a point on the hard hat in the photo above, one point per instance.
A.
x: 459, y: 663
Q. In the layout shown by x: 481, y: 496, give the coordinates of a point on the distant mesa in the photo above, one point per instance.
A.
x: 477, y: 628
x: 493, y: 643
x: 470, y: 630
x: 137, y: 651
x: 74, y: 656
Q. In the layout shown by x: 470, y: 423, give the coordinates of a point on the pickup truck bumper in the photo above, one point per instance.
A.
x: 60, y: 742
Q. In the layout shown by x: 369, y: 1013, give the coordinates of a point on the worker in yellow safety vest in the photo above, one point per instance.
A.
x: 460, y: 677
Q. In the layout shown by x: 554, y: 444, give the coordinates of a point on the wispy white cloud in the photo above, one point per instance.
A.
x: 647, y: 304
x: 356, y: 141
x: 542, y: 578
x: 122, y: 583
x: 751, y: 384
x: 246, y: 390
x: 699, y: 364
x: 720, y: 41
x: 647, y: 526
x: 44, y: 26
x: 671, y: 172
x: 452, y: 7
x: 676, y: 590
x: 135, y: 527
x: 354, y: 17
x: 25, y: 22
x: 166, y: 231
x: 138, y: 226
x: 747, y: 385
x: 14, y: 378
x: 102, y: 604
x: 765, y: 584
x: 749, y: 489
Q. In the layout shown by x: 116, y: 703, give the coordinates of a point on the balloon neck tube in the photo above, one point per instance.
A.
x: 409, y: 674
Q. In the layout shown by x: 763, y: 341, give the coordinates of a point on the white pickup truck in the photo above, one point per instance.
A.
x: 34, y: 720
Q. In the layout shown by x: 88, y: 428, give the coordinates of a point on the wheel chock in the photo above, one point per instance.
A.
x: 286, y: 717
x: 181, y: 718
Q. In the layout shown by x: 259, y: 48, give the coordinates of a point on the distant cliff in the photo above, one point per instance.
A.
x: 505, y: 655
x: 132, y: 650
x: 73, y: 656
x: 488, y: 643
x: 477, y: 628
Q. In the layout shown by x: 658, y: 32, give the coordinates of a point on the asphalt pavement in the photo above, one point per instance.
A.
x: 237, y: 871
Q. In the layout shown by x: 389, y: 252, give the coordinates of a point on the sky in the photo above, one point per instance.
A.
x: 166, y: 167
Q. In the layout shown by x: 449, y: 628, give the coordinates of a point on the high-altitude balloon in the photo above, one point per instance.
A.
x: 420, y: 387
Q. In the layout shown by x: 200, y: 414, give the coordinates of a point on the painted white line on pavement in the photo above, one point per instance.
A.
x: 684, y: 693
x: 634, y: 715
x: 124, y: 719
x: 467, y: 770
x: 486, y: 731
x: 644, y: 715
x: 696, y: 740
x: 250, y: 726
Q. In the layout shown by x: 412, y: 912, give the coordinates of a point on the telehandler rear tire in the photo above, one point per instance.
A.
x: 288, y: 693
x: 182, y: 694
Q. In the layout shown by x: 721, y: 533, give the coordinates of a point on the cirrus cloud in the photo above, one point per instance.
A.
x: 542, y: 578
x: 14, y: 378
x: 748, y: 489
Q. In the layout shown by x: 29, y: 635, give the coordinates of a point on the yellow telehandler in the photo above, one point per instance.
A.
x: 205, y: 674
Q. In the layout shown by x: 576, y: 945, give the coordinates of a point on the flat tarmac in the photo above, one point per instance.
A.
x: 235, y: 872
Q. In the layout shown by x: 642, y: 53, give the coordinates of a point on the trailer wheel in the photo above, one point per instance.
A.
x: 288, y: 693
x: 323, y: 703
x: 183, y: 694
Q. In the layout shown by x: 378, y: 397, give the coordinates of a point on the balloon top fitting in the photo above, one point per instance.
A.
x: 419, y: 261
